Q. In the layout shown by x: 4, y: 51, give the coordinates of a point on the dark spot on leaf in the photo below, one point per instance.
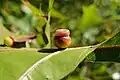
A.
x: 51, y: 50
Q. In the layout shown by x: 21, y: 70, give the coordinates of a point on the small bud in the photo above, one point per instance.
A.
x: 8, y: 41
x: 62, y: 32
x: 63, y: 42
x: 62, y: 38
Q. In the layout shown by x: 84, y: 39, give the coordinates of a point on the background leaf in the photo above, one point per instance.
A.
x: 109, y: 51
x: 34, y: 10
x: 90, y: 17
x: 2, y: 31
x: 51, y: 4
x: 57, y: 14
x: 22, y: 25
x: 40, y: 25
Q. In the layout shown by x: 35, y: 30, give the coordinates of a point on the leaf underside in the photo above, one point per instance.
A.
x: 110, y: 51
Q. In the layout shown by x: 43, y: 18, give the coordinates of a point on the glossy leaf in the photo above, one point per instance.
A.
x: 57, y: 65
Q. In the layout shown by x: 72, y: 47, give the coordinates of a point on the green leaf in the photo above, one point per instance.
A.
x: 51, y: 4
x: 90, y: 17
x: 109, y: 51
x: 57, y: 14
x: 14, y: 62
x: 42, y: 39
x: 47, y: 29
x: 57, y: 65
x: 34, y: 10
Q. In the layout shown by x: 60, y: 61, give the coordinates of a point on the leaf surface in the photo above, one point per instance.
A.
x: 14, y: 62
x: 57, y: 65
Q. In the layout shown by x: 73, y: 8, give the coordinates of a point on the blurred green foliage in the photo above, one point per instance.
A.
x: 90, y: 22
